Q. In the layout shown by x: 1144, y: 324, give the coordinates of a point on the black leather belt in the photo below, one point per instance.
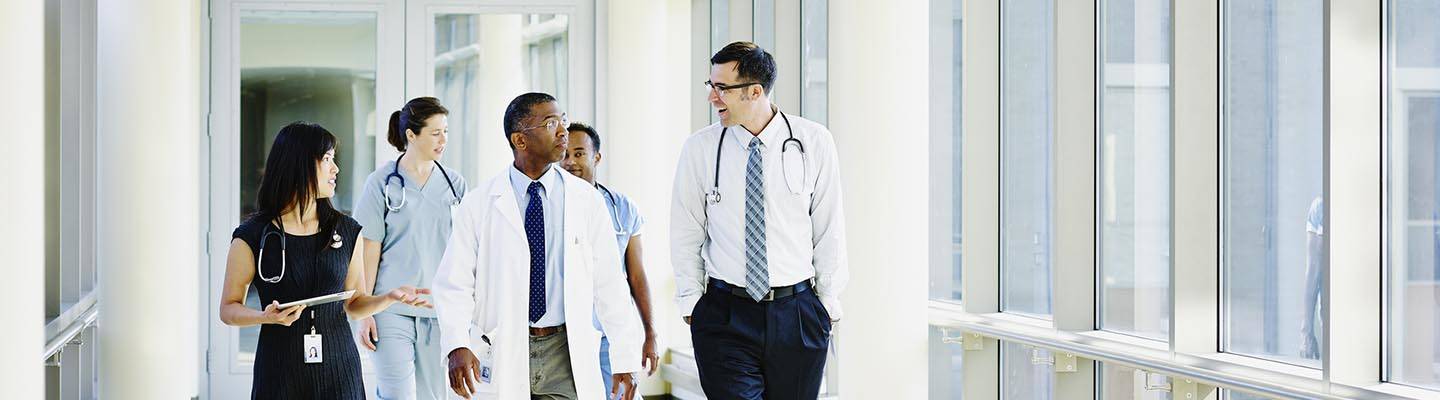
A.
x: 775, y: 293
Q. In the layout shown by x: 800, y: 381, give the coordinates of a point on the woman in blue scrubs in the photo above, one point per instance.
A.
x: 405, y: 210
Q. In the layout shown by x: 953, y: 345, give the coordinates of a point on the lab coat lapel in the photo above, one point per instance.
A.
x: 579, y: 308
x: 505, y: 202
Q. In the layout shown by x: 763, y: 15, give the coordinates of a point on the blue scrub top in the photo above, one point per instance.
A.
x: 624, y: 217
x: 412, y: 238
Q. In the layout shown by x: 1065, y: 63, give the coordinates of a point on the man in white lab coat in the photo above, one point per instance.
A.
x: 531, y: 250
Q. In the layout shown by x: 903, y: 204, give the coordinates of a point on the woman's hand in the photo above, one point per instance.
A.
x: 369, y: 335
x: 410, y: 295
x: 274, y: 315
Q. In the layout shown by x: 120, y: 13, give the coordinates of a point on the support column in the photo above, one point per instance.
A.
x: 502, y: 62
x: 1195, y: 191
x: 1074, y: 159
x: 881, y: 131
x: 1353, y: 140
x: 149, y: 186
x: 980, y: 187
x: 650, y: 96
x: 22, y: 42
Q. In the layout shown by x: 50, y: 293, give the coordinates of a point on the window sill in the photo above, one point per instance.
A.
x: 1229, y: 371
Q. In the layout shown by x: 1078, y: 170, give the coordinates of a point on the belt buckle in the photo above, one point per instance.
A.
x: 770, y: 296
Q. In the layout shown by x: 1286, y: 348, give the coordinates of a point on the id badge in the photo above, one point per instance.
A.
x: 314, y: 352
x: 486, y: 365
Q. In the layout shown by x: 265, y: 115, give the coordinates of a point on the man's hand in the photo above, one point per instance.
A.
x: 369, y: 335
x: 619, y: 382
x: 649, y: 357
x: 464, y: 372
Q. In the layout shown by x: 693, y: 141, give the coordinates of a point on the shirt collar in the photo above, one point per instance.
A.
x: 548, y: 180
x: 774, y: 132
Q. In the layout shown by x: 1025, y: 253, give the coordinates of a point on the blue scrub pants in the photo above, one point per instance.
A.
x: 407, y: 358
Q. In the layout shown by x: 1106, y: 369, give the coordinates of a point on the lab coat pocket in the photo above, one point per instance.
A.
x: 484, y: 348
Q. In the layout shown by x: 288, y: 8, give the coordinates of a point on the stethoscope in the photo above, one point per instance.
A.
x: 614, y: 219
x: 335, y: 243
x: 395, y: 173
x: 713, y: 197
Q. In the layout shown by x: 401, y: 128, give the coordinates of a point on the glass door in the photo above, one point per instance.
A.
x: 477, y: 57
x: 347, y: 66
x: 271, y: 64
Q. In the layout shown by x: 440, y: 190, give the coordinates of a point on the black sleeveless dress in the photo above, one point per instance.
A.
x: 312, y: 268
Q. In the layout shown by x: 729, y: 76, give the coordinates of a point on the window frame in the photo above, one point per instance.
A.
x: 1195, y: 187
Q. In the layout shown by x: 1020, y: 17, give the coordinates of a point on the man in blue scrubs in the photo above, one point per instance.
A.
x: 581, y: 159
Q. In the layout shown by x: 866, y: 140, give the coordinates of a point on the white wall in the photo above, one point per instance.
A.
x: 646, y: 119
x: 882, y: 131
x: 22, y: 40
x: 315, y: 46
x: 149, y: 216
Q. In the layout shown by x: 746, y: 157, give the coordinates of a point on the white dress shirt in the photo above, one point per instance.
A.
x: 552, y: 203
x: 804, y: 220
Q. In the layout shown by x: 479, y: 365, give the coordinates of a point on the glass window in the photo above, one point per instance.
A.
x: 519, y: 53
x: 1026, y: 140
x: 1119, y: 382
x: 328, y: 78
x: 763, y: 24
x: 814, y: 75
x: 1134, y: 192
x: 719, y: 25
x: 1273, y: 216
x: 945, y: 272
x: 1026, y: 373
x: 945, y: 367
x: 719, y: 35
x: 1413, y: 207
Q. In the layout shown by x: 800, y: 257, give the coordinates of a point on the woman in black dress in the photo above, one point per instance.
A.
x: 303, y: 353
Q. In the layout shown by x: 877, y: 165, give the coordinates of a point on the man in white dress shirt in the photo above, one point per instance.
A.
x: 758, y: 238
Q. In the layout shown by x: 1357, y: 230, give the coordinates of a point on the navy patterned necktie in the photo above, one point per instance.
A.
x: 535, y: 235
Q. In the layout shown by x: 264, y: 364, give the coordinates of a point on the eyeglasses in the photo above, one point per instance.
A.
x: 720, y: 87
x: 551, y: 124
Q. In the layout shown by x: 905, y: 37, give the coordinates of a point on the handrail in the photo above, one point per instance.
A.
x: 64, y: 328
x: 1212, y: 371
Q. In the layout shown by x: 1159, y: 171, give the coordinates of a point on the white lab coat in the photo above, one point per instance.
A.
x: 482, y: 288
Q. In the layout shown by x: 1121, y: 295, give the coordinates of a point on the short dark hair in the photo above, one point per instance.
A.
x: 594, y: 137
x: 519, y: 110
x: 752, y: 62
x: 412, y: 117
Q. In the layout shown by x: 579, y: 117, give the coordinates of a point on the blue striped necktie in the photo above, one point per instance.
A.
x: 535, y: 234
x: 757, y: 274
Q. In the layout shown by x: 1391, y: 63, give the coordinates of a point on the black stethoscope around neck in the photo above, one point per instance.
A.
x: 614, y: 219
x: 395, y: 173
x: 278, y: 229
x: 713, y: 196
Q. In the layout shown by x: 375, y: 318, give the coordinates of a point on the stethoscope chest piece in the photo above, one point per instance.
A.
x: 787, y: 158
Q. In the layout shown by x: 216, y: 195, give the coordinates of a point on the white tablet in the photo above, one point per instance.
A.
x: 329, y: 298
